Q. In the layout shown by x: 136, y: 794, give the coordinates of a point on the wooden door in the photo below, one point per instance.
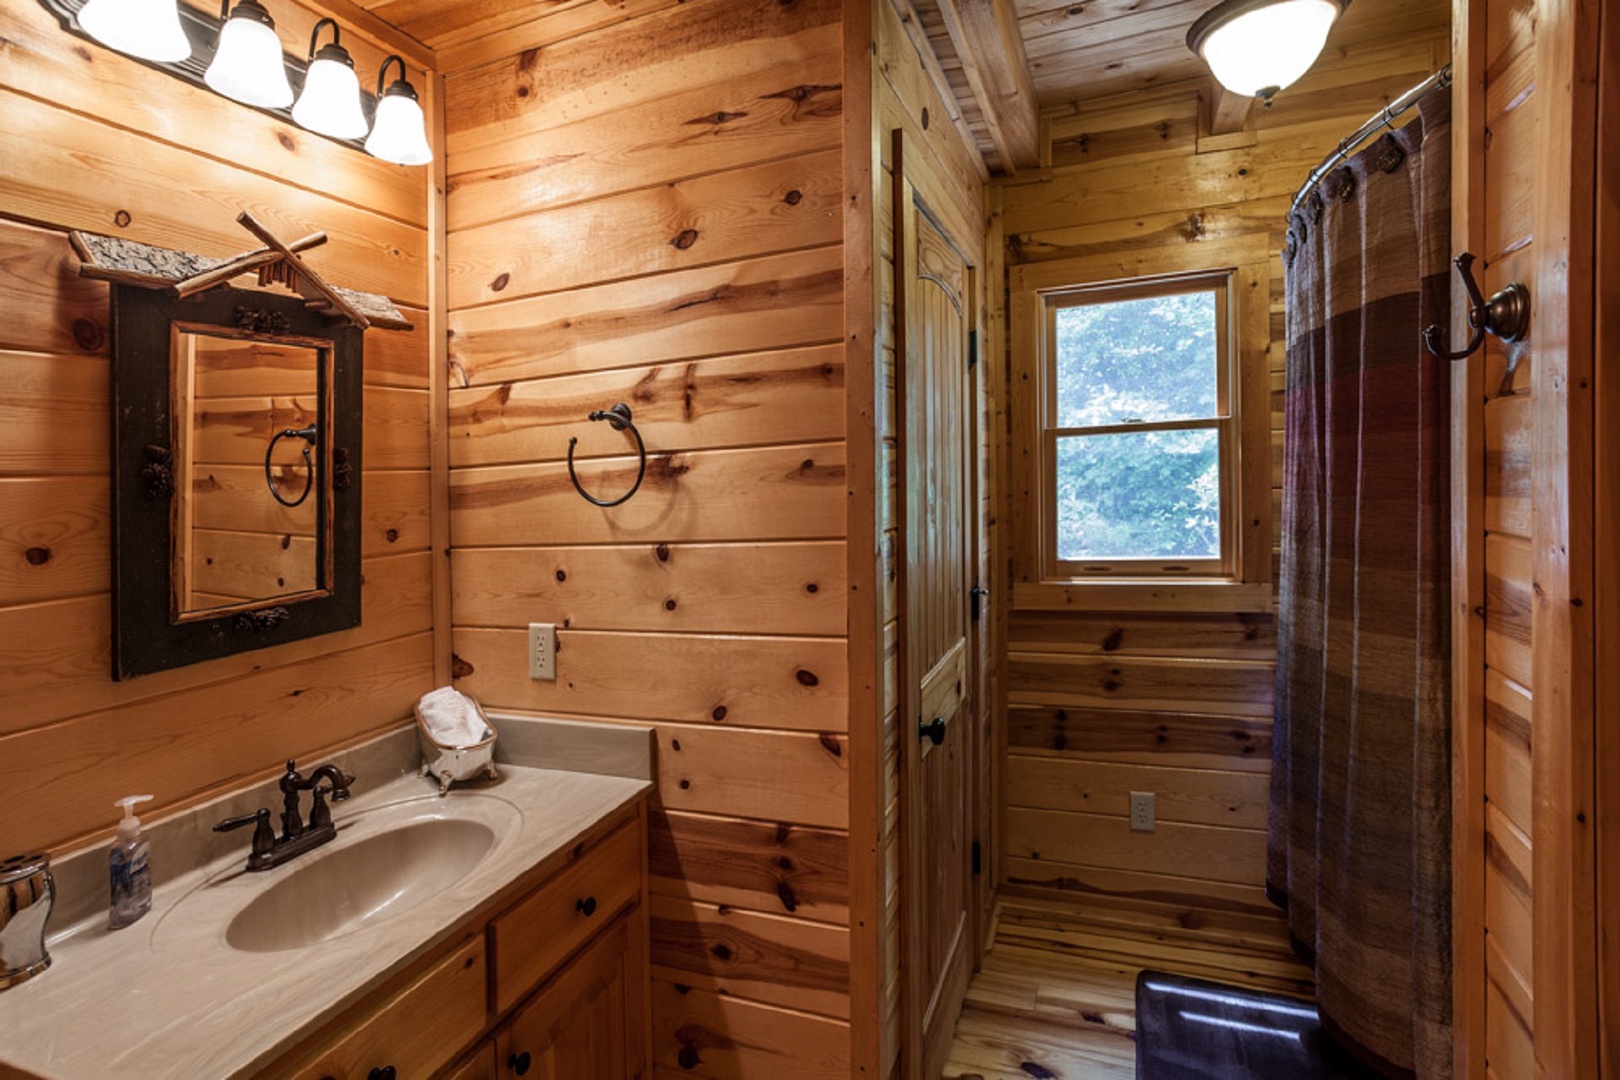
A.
x: 935, y: 445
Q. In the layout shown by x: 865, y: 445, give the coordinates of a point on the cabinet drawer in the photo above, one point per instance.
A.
x: 534, y: 937
x: 417, y: 1030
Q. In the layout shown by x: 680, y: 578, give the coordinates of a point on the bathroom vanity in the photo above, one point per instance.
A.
x: 499, y: 931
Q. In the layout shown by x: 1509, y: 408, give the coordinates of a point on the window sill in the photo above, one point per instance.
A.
x: 1144, y: 594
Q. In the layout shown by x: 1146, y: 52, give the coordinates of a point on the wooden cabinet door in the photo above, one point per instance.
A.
x: 582, y: 1025
x: 935, y: 450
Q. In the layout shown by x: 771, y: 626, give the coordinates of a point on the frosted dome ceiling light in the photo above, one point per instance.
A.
x: 330, y: 101
x: 248, y: 65
x: 399, y: 131
x: 145, y: 29
x: 1257, y: 47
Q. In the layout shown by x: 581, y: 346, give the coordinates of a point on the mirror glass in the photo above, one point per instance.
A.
x: 247, y: 417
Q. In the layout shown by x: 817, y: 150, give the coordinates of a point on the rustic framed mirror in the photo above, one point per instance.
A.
x: 237, y: 465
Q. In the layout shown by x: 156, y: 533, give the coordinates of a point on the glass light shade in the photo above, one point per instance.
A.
x: 148, y: 29
x: 399, y: 132
x: 1260, y: 51
x: 248, y: 66
x: 330, y: 101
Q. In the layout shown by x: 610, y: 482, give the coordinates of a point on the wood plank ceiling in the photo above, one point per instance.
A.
x: 991, y: 58
x: 1081, y: 50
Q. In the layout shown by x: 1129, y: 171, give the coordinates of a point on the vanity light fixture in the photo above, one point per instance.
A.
x: 329, y: 103
x: 399, y: 131
x: 1257, y: 47
x: 247, y: 64
x: 144, y: 29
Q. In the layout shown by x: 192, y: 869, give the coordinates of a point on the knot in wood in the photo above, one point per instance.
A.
x: 88, y: 335
x: 37, y: 556
x: 684, y: 239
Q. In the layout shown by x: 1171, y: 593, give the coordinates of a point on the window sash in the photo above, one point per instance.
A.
x: 1225, y: 424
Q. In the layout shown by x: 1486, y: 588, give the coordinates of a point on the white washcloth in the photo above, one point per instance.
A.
x: 451, y: 718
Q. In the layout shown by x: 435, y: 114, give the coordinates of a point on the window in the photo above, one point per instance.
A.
x: 1139, y: 430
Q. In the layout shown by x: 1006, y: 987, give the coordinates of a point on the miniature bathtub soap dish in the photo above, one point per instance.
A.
x: 458, y: 742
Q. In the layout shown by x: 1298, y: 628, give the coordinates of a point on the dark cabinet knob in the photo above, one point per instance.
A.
x: 518, y: 1063
x: 385, y: 1072
x: 933, y: 731
x: 587, y: 905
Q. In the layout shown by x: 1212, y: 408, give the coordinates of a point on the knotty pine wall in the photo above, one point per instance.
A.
x: 93, y: 140
x: 650, y: 211
x: 1167, y: 696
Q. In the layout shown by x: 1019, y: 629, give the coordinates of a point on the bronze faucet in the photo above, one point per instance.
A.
x: 296, y: 837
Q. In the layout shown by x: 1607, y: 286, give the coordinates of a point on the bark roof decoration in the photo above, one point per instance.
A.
x: 182, y: 274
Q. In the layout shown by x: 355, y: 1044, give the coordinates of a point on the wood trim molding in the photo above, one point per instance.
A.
x: 1563, y: 732
x: 1467, y: 562
x: 862, y: 180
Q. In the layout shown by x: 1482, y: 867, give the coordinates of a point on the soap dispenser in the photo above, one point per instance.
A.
x: 128, y: 871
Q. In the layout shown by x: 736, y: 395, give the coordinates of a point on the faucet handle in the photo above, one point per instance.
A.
x: 264, y: 838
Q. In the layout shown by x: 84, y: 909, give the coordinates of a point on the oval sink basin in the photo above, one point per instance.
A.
x: 354, y: 886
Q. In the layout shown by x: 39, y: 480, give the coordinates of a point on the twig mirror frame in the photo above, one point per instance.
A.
x: 147, y: 637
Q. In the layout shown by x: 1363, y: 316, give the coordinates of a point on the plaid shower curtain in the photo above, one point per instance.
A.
x: 1359, y: 844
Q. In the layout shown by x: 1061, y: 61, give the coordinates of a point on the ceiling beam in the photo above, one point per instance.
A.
x: 1228, y: 112
x: 987, y: 40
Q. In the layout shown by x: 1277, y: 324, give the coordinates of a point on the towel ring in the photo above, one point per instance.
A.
x: 309, y: 435
x: 618, y: 417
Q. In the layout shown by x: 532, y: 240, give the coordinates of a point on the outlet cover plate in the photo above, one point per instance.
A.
x: 542, y: 650
x: 1142, y: 811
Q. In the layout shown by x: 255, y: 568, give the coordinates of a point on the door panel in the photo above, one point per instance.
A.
x: 936, y: 451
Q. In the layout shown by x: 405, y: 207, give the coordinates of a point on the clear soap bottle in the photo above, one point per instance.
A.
x: 129, y: 872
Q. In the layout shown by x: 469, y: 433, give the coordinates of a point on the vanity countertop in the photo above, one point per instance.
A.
x: 170, y: 997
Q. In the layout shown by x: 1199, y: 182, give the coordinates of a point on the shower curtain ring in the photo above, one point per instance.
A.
x: 618, y: 418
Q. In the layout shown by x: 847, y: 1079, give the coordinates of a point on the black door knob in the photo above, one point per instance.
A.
x: 518, y: 1063
x: 385, y: 1072
x: 587, y: 905
x: 933, y: 731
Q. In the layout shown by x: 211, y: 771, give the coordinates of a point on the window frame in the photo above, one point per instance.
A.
x: 1227, y: 423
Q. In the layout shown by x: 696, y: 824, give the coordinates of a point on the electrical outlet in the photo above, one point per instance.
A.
x: 1142, y: 813
x: 542, y: 650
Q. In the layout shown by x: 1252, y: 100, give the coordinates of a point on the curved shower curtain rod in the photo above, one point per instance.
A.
x: 1382, y: 119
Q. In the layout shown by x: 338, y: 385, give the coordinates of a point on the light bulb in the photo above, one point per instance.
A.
x: 147, y: 29
x: 329, y: 103
x: 248, y: 65
x: 399, y: 131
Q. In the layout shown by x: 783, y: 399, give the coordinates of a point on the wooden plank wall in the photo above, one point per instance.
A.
x: 1151, y: 698
x: 947, y: 172
x: 1509, y: 107
x: 93, y: 140
x: 649, y: 210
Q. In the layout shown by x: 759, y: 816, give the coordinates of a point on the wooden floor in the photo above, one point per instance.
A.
x: 1055, y: 997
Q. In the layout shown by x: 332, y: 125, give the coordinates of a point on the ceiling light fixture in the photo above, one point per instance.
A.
x: 145, y: 29
x: 329, y: 103
x: 248, y: 64
x: 1257, y: 47
x: 398, y: 132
